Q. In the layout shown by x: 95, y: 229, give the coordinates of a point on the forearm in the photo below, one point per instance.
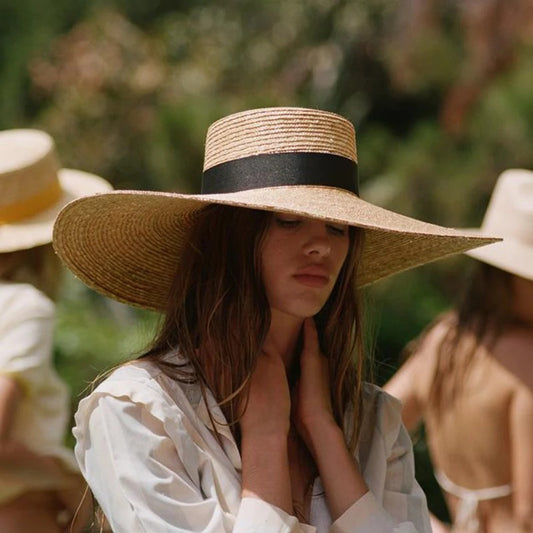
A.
x: 524, y: 521
x: 265, y: 470
x: 438, y: 526
x: 78, y: 502
x: 342, y: 481
x: 521, y: 424
x: 18, y: 461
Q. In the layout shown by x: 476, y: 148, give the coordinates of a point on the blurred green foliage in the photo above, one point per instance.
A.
x: 439, y: 91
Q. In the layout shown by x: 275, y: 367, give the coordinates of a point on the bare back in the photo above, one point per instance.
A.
x: 485, y: 438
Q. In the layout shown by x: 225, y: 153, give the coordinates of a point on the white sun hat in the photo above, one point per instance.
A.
x: 33, y: 188
x: 510, y: 215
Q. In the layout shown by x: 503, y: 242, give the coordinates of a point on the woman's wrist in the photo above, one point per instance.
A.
x: 342, y: 481
x: 265, y: 469
x: 256, y: 442
x: 319, y: 432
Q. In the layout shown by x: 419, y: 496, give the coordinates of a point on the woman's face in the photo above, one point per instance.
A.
x: 301, y: 260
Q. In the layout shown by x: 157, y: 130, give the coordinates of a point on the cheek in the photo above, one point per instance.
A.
x: 266, y: 275
x: 342, y: 254
x: 270, y: 261
x: 275, y: 251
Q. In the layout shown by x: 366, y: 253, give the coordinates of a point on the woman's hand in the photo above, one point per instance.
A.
x: 313, y: 416
x: 264, y: 428
x: 312, y: 398
x: 267, y: 409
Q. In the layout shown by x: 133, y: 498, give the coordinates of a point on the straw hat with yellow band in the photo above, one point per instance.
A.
x: 33, y: 188
x: 128, y: 244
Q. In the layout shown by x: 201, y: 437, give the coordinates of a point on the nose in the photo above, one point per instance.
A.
x: 318, y: 241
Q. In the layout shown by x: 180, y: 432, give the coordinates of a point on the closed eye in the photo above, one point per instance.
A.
x: 337, y: 229
x: 288, y: 222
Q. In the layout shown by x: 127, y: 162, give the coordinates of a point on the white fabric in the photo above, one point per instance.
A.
x: 26, y: 333
x: 147, y: 448
x: 467, y: 519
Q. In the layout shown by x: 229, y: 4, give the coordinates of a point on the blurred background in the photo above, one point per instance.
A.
x: 440, y: 92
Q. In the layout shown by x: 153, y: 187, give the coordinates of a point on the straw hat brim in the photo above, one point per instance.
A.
x: 37, y: 230
x: 127, y: 244
x: 510, y: 255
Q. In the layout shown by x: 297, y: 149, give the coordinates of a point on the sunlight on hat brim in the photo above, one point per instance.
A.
x: 127, y: 244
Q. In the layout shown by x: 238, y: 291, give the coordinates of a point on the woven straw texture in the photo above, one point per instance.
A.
x: 278, y: 130
x: 127, y: 245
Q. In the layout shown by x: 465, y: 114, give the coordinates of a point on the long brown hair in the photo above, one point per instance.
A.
x: 218, y: 315
x: 482, y: 314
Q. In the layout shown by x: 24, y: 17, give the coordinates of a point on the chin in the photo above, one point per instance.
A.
x: 299, y: 307
x: 305, y: 312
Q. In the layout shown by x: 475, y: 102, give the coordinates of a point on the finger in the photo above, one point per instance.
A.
x: 295, y: 393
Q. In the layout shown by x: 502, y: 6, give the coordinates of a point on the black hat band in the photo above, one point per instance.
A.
x: 277, y: 170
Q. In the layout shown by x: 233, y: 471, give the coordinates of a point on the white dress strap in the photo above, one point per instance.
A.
x: 466, y: 518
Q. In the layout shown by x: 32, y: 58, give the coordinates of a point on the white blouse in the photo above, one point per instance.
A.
x: 26, y: 335
x: 148, y: 450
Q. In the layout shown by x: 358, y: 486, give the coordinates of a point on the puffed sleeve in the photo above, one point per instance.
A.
x: 26, y: 335
x: 395, y: 502
x: 144, y: 470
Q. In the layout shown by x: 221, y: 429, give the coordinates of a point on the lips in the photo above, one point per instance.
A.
x: 312, y: 276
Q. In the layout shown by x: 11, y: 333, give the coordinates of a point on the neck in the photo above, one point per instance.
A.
x: 283, y: 333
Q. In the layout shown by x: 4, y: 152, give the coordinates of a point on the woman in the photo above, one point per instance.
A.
x: 474, y: 377
x: 40, y: 484
x: 249, y: 412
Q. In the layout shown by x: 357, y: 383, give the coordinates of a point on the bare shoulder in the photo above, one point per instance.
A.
x: 427, y: 345
x: 514, y: 351
x: 412, y: 382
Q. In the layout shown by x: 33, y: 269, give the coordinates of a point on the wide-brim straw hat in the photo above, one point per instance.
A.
x: 510, y: 215
x: 33, y: 188
x: 127, y: 244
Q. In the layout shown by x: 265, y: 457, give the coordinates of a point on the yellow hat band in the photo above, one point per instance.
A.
x: 31, y: 205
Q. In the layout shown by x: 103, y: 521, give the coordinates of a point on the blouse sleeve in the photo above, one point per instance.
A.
x: 395, y: 502
x: 26, y: 336
x: 146, y: 481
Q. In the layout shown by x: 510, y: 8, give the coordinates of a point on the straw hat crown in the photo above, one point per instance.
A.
x: 33, y: 188
x: 28, y: 177
x: 128, y: 244
x: 278, y: 130
x: 510, y: 215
